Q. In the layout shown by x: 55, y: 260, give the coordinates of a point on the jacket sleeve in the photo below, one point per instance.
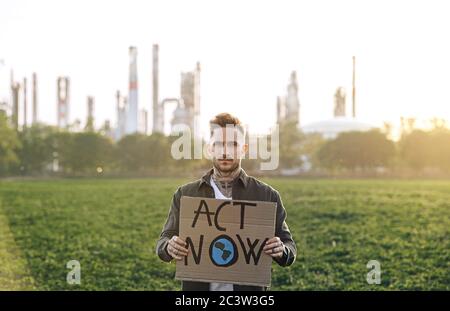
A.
x: 171, y: 227
x: 282, y: 231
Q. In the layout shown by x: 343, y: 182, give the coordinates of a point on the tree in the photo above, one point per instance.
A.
x: 290, y: 145
x: 426, y: 149
x: 84, y: 153
x: 353, y: 150
x: 60, y: 143
x: 415, y: 149
x: 311, y: 144
x: 9, y: 146
x: 158, y: 161
x: 133, y: 153
x: 440, y: 149
x: 37, y: 149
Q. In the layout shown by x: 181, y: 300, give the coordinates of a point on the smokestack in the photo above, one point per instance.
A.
x: 339, y: 102
x: 90, y: 106
x: 143, y: 119
x: 197, y: 90
x: 15, y: 115
x: 353, y: 91
x: 34, y: 98
x: 90, y: 114
x: 15, y: 87
x: 24, y: 103
x: 197, y: 133
x: 63, y: 101
x: 118, y: 100
x: 121, y: 107
x: 132, y: 113
x: 157, y: 122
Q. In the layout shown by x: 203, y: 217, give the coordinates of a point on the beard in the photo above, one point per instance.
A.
x: 227, y: 167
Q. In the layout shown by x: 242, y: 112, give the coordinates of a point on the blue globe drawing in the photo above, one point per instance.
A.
x: 223, y: 251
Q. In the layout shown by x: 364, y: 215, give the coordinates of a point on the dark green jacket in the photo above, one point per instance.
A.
x: 246, y: 188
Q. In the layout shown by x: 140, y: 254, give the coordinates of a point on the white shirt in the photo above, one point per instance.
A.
x: 219, y: 286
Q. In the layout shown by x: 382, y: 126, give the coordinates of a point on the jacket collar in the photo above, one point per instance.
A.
x: 243, y: 177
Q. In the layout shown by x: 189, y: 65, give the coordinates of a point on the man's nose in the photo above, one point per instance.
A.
x: 227, y: 156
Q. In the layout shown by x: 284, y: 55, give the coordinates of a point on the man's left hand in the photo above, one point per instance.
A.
x: 274, y: 247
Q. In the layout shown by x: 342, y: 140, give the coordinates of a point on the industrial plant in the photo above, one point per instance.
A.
x: 130, y: 119
x: 288, y: 107
x: 330, y: 128
x: 132, y: 116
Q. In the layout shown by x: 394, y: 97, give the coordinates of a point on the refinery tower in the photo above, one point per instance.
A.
x: 132, y: 113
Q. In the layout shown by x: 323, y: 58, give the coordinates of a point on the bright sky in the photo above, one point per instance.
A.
x: 247, y: 50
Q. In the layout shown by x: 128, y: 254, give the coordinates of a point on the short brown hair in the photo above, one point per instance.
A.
x: 224, y: 118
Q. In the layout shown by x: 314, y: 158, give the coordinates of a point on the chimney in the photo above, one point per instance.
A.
x: 15, y: 88
x: 156, y: 107
x: 353, y: 91
x: 24, y: 103
x: 34, y: 98
x: 132, y: 111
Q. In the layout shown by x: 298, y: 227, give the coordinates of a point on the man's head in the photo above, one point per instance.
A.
x: 227, y: 142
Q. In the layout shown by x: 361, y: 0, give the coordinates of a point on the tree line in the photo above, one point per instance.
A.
x: 46, y: 150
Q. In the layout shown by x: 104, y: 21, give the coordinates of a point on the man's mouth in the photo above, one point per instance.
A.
x: 225, y: 160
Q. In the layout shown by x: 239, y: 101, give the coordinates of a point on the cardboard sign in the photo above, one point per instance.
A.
x: 225, y: 240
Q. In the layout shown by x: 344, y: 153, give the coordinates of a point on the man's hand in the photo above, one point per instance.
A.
x: 177, y: 248
x: 274, y: 247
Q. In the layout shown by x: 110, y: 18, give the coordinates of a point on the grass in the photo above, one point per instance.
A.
x: 14, y: 274
x: 111, y: 227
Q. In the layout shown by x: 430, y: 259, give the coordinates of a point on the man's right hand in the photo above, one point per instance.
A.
x: 177, y: 248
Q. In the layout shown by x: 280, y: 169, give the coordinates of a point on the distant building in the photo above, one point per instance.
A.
x: 107, y: 130
x: 143, y: 121
x: 63, y: 101
x: 25, y: 105
x: 340, y: 123
x: 35, y: 99
x: 181, y: 115
x: 90, y: 126
x: 332, y: 127
x: 131, y: 125
x: 158, y: 108
x: 339, y: 102
x: 188, y: 109
x: 121, y: 109
x: 5, y: 93
x: 15, y: 88
x: 288, y: 106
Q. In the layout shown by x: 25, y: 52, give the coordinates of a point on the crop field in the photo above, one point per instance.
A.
x: 111, y: 226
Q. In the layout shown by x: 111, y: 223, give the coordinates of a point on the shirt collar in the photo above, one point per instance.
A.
x: 243, y: 177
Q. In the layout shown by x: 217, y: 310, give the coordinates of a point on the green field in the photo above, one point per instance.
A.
x: 111, y: 227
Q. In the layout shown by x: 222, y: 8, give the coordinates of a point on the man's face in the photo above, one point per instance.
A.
x: 227, y: 147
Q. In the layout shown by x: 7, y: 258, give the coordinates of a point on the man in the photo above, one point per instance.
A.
x: 226, y: 180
